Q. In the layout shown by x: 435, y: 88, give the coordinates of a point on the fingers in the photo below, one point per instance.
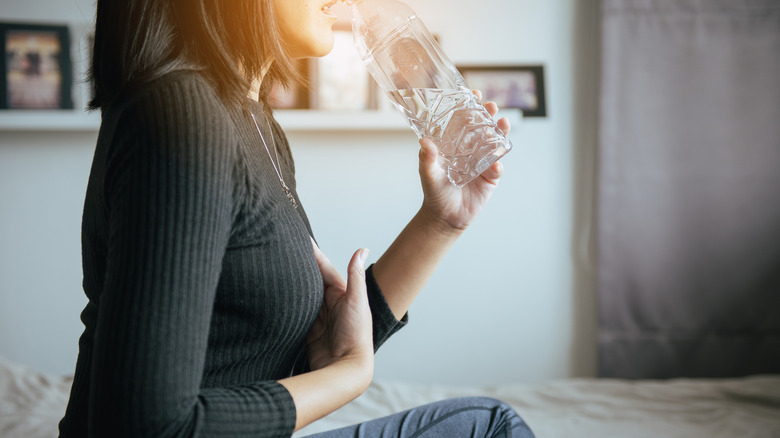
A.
x: 356, y: 276
x: 428, y: 152
x: 491, y: 108
x: 330, y: 275
x: 357, y: 264
x: 493, y: 173
x: 503, y: 122
x: 504, y: 125
x: 429, y: 156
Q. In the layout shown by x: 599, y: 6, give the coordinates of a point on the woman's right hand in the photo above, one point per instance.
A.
x: 343, y: 329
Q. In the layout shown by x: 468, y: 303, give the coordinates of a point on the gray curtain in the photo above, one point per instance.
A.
x: 689, y: 188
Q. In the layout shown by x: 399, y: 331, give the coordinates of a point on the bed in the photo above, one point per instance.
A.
x: 31, y: 404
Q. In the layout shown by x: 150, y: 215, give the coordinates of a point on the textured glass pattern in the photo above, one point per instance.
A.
x: 406, y: 61
x: 464, y: 132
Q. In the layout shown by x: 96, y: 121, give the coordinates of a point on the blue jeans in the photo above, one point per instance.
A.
x: 459, y: 417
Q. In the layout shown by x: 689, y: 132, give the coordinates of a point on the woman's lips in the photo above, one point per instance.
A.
x: 326, y: 9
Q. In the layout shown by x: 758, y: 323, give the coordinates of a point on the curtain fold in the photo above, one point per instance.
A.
x: 689, y: 188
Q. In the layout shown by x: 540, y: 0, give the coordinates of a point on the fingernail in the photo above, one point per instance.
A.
x: 363, y: 256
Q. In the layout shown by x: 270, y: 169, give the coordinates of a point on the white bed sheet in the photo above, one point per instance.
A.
x: 32, y: 403
x: 600, y: 408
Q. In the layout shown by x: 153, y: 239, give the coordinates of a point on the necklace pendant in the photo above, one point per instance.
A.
x: 290, y: 196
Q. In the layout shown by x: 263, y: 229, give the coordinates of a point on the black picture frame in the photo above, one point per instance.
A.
x: 517, y: 86
x: 36, y: 66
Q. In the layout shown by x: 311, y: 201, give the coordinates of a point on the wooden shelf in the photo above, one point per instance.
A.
x: 312, y: 120
x: 49, y: 120
x: 290, y: 120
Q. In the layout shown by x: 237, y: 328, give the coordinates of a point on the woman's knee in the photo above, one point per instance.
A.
x: 497, y: 414
x: 487, y: 403
x: 506, y: 421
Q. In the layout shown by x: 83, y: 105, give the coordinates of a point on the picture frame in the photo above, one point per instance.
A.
x: 36, y: 67
x: 296, y: 96
x: 339, y: 79
x: 519, y: 86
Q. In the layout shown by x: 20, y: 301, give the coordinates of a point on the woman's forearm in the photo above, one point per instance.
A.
x: 408, y: 264
x: 320, y: 392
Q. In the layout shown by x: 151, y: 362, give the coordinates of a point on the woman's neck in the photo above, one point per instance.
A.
x: 254, y: 88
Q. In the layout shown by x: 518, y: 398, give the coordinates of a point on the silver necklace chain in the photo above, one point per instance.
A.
x: 287, y: 191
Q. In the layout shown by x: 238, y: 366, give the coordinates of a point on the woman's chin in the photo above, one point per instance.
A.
x: 314, y: 44
x: 324, y: 46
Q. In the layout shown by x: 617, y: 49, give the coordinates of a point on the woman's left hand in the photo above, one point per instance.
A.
x: 456, y: 207
x: 343, y: 328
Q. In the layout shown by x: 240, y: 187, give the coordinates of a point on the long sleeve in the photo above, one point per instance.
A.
x: 385, y: 323
x: 169, y: 190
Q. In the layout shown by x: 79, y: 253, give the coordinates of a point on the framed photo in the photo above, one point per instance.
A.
x: 295, y: 97
x: 520, y: 87
x: 36, y: 67
x: 340, y: 81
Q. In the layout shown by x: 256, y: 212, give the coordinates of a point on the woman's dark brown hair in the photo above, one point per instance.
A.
x: 137, y: 41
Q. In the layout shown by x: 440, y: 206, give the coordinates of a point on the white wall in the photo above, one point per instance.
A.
x: 513, y: 301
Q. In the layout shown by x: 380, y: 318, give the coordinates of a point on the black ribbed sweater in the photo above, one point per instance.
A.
x: 200, y: 276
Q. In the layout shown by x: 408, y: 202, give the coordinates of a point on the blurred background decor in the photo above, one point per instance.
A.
x: 36, y: 67
x: 296, y: 96
x: 520, y: 87
x: 339, y: 80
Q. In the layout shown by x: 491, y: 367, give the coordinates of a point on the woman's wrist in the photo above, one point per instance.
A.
x: 434, y: 223
x: 320, y: 392
x: 359, y: 370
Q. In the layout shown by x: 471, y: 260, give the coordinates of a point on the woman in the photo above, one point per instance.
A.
x: 211, y: 311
